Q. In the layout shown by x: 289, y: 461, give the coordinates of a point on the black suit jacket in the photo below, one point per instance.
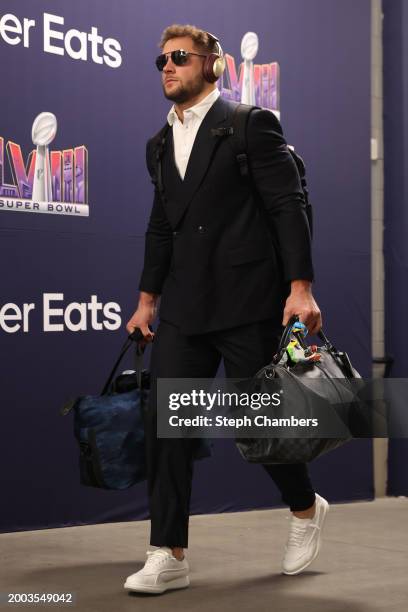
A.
x: 221, y: 249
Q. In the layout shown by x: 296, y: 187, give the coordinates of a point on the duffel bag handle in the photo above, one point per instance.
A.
x: 285, y: 339
x: 135, y: 336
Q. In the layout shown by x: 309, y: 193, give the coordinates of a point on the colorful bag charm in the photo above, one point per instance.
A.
x: 297, y: 350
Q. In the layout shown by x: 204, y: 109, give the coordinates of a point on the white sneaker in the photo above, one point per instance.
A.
x: 304, y: 539
x: 161, y: 571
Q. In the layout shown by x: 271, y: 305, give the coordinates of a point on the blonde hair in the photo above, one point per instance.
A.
x: 199, y: 37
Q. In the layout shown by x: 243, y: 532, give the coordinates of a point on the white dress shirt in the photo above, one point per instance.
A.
x: 184, y: 133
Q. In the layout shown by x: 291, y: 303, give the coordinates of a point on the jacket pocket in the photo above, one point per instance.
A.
x: 250, y: 251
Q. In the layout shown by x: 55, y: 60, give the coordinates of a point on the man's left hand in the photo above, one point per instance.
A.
x: 301, y: 302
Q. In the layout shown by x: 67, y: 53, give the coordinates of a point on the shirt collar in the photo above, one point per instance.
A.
x: 200, y: 109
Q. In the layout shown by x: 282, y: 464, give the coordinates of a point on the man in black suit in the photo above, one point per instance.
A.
x: 230, y: 260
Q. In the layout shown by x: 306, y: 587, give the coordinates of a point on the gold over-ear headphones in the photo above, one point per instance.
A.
x: 214, y: 63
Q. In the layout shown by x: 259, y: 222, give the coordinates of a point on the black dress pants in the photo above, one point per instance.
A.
x: 245, y: 350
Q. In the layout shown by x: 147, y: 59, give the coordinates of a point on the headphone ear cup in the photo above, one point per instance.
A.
x: 219, y: 66
x: 213, y: 67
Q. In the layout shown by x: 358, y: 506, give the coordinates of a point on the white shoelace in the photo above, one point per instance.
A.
x: 155, y: 558
x: 297, y: 533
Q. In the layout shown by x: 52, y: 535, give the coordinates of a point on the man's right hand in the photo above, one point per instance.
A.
x: 144, y: 315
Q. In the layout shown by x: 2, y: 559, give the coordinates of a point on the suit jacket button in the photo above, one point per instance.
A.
x: 201, y: 229
x: 175, y: 233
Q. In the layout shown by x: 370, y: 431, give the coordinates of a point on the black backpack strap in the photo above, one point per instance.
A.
x: 239, y: 144
x: 239, y: 139
x: 158, y: 145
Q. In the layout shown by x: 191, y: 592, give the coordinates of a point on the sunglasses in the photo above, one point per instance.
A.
x: 179, y: 58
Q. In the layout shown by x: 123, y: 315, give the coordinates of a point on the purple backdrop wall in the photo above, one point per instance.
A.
x: 325, y: 113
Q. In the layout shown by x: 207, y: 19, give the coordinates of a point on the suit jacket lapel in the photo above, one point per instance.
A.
x: 204, y: 147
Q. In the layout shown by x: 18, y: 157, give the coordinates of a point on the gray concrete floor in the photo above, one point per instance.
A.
x: 234, y: 559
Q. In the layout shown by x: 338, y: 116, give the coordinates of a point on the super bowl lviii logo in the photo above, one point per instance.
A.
x: 256, y: 84
x: 53, y: 182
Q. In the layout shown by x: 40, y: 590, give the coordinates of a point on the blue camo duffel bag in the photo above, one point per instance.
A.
x: 110, y: 427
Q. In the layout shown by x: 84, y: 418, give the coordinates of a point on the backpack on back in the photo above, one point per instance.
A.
x: 237, y: 137
x: 239, y: 145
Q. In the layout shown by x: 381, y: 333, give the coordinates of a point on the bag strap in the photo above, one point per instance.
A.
x: 136, y: 336
x: 238, y: 142
x: 240, y: 119
x: 340, y: 356
x: 159, y: 144
x: 285, y: 339
x: 138, y: 360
